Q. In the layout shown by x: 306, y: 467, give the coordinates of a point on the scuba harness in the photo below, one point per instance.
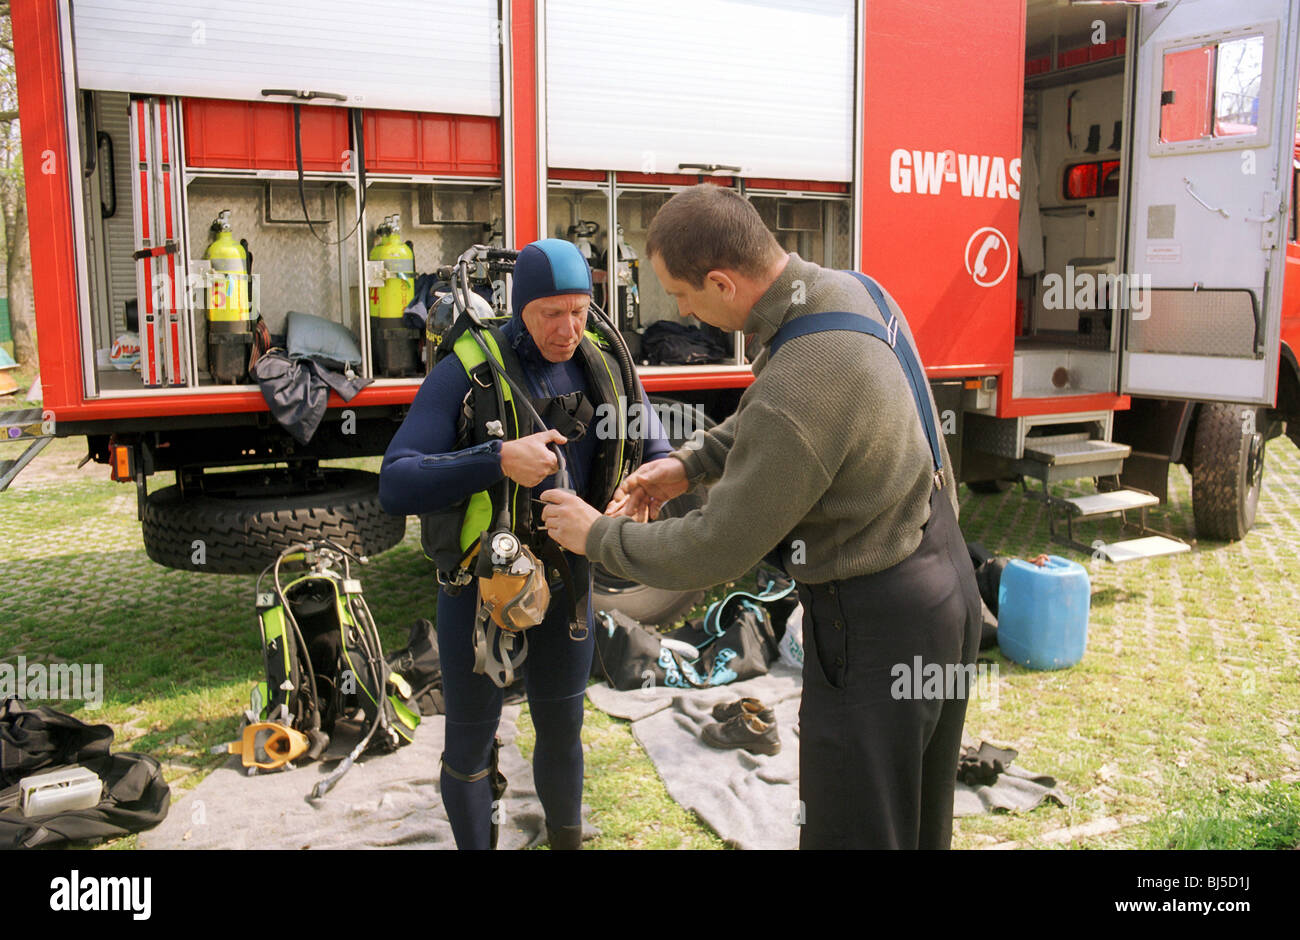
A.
x: 324, y: 662
x: 490, y: 535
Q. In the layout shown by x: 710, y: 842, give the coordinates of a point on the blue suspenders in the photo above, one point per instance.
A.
x: 823, y: 322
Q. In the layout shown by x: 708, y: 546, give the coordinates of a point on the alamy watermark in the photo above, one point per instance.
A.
x: 1082, y: 290
x: 53, y: 681
x: 680, y: 421
x: 77, y: 892
x: 919, y: 680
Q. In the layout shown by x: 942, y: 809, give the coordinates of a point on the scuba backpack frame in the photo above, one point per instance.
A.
x: 324, y: 661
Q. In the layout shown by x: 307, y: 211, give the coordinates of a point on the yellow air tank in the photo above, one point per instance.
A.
x: 398, y: 288
x: 229, y: 305
x: 394, y: 345
x: 228, y: 297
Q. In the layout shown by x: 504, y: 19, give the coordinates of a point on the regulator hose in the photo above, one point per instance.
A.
x: 635, y: 445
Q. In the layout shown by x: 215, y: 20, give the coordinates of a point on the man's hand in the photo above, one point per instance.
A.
x: 645, y: 490
x: 528, y: 461
x: 568, y: 519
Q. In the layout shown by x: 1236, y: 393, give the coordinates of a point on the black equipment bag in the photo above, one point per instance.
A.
x: 627, y: 654
x: 418, y: 664
x: 988, y: 577
x: 735, y: 641
x: 41, y: 739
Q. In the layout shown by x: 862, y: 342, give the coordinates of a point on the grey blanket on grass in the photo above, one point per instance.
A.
x: 752, y: 800
x: 385, y: 801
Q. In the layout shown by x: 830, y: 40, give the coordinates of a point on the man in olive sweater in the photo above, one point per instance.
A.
x: 826, y: 459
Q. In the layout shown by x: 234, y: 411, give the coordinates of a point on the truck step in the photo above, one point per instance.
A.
x: 1118, y: 501
x: 1101, y: 504
x: 1066, y: 449
x: 1151, y: 546
x: 1056, y: 458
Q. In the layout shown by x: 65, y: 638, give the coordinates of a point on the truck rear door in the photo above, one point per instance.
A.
x: 1213, y: 122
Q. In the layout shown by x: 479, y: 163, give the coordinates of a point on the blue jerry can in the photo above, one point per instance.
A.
x: 1043, y: 613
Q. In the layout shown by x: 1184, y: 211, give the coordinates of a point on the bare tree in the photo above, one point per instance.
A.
x: 13, y: 202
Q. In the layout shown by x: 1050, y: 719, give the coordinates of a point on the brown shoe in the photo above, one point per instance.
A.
x: 744, y: 730
x: 748, y: 706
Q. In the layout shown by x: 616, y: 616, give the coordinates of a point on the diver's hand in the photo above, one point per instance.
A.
x: 647, y: 488
x: 623, y: 505
x: 568, y: 519
x: 528, y: 461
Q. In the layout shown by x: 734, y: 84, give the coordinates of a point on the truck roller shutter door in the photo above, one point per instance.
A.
x: 433, y: 55
x: 645, y: 87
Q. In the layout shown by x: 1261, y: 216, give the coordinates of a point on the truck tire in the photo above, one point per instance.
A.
x: 1227, y: 470
x: 241, y: 524
x: 653, y: 606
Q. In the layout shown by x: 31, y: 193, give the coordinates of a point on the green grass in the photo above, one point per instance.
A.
x: 1231, y: 818
x: 1185, y: 706
x: 1190, y: 679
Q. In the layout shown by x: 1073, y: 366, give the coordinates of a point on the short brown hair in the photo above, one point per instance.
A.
x: 707, y: 228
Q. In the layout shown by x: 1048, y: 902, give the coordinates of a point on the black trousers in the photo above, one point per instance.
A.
x: 877, y: 761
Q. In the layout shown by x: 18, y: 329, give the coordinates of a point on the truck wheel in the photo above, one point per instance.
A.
x: 1227, y: 470
x: 241, y: 521
x: 655, y: 606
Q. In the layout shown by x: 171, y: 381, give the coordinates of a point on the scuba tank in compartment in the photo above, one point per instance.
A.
x: 394, y: 346
x: 228, y: 300
x: 626, y: 311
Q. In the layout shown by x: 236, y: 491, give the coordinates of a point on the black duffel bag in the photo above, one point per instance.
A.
x: 38, y: 740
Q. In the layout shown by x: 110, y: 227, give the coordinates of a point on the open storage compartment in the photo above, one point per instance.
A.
x: 413, y: 227
x: 294, y: 266
x: 816, y: 226
x: 1068, y: 273
x: 816, y: 223
x: 201, y: 200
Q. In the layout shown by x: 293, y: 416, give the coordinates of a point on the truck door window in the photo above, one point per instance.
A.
x: 1237, y: 80
x: 1212, y: 90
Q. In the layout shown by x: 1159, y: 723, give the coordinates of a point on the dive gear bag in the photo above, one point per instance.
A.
x: 735, y: 641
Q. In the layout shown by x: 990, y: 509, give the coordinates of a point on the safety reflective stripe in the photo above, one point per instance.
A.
x: 478, y: 516
x: 478, y: 512
x: 471, y: 355
x: 622, y: 417
x: 888, y: 334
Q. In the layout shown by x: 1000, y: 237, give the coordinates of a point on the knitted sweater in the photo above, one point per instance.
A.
x: 825, y: 453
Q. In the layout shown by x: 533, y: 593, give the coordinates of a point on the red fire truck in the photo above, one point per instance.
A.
x: 1083, y: 209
